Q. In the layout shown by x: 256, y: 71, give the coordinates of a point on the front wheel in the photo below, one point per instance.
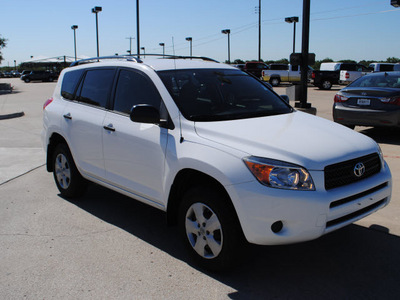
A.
x: 69, y: 181
x: 210, y: 228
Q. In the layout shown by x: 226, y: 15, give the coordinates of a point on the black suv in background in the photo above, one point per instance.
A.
x: 39, y: 76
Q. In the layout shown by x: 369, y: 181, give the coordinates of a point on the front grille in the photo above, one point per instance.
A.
x: 341, y: 174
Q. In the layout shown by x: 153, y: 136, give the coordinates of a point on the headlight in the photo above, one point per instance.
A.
x: 279, y: 174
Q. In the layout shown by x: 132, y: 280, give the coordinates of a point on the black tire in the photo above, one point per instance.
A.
x: 69, y: 181
x: 350, y: 126
x: 325, y: 85
x: 274, y: 81
x: 51, y: 79
x: 210, y: 228
x: 27, y: 80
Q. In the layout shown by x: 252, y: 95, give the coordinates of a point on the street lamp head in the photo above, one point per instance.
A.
x: 395, y: 3
x: 73, y: 27
x: 96, y: 9
x: 189, y: 39
x: 162, y: 44
x: 142, y: 48
x: 292, y: 19
x: 226, y: 31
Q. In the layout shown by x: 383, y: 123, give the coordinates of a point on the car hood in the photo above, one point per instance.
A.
x: 297, y: 137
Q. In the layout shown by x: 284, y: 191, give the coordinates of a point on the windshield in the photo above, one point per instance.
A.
x: 220, y: 94
x: 384, y: 80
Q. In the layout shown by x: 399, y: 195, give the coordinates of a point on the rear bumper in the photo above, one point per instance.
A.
x: 365, y: 117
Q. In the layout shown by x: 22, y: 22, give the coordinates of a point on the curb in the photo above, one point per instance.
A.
x: 11, y: 116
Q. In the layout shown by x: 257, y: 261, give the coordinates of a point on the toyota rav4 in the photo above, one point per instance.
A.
x: 223, y: 155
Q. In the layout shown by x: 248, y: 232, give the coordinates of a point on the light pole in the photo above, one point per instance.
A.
x: 228, y: 32
x: 189, y: 39
x: 15, y: 65
x: 293, y: 20
x: 74, y: 28
x: 144, y: 51
x: 259, y: 30
x: 96, y: 10
x: 137, y: 29
x: 130, y: 44
x: 163, y: 48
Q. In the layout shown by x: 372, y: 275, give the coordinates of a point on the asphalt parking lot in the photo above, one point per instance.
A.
x: 106, y: 246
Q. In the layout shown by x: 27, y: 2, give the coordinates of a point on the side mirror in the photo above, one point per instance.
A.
x: 144, y: 113
x: 285, y: 98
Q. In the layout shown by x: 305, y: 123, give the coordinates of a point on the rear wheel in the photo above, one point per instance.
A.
x: 326, y: 85
x: 275, y: 81
x: 210, y: 228
x: 69, y: 181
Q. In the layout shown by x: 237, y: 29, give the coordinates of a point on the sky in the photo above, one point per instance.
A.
x: 339, y: 29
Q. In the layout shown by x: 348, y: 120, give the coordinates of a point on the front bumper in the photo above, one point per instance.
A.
x: 306, y: 215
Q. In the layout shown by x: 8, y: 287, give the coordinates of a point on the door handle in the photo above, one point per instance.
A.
x: 109, y: 127
x: 67, y: 116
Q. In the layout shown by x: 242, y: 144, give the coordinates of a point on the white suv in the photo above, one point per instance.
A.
x: 225, y: 157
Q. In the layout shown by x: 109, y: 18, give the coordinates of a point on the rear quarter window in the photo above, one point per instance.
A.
x: 69, y: 84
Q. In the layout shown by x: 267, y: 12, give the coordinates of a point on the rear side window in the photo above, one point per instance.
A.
x: 134, y: 88
x: 69, y: 84
x: 97, y: 87
x: 386, y: 68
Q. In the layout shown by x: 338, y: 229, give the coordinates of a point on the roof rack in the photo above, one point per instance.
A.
x: 136, y: 58
x: 97, y: 59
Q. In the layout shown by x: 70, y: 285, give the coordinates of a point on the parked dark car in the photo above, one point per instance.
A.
x: 25, y: 72
x: 371, y: 100
x: 15, y: 73
x: 39, y: 76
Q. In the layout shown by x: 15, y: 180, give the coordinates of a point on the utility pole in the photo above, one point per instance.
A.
x: 259, y: 30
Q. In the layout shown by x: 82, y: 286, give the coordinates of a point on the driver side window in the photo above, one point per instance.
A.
x: 134, y: 88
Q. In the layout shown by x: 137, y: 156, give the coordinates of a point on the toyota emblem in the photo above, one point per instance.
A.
x: 359, y: 169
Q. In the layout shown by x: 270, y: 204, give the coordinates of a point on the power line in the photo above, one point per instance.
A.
x: 234, y: 31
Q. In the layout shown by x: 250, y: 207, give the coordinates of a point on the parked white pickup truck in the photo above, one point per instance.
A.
x: 381, y: 67
x: 348, y: 76
x: 281, y: 73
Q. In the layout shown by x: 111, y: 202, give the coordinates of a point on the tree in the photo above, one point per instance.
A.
x: 3, y: 43
x: 350, y: 61
x: 393, y: 60
x: 238, y: 61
